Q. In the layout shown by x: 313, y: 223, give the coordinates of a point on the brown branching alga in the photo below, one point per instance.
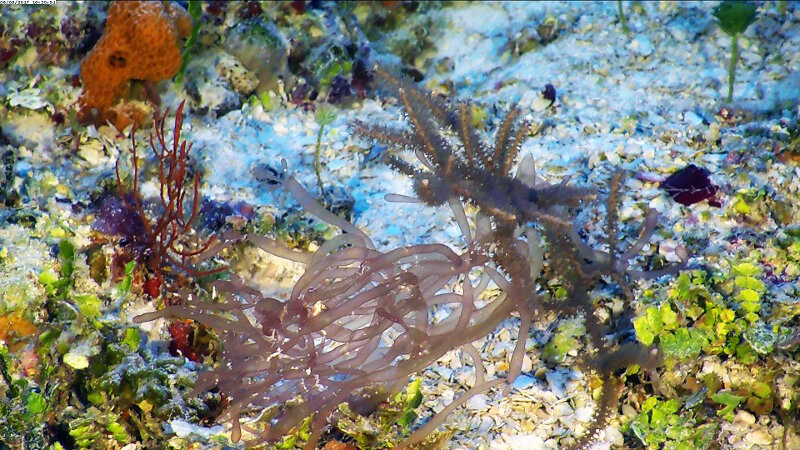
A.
x: 360, y: 321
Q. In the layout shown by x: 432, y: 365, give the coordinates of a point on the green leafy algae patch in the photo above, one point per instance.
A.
x: 672, y: 424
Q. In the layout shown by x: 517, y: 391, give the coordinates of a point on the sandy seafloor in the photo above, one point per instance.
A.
x: 649, y: 102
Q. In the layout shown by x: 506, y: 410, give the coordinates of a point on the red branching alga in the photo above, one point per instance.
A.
x: 167, y: 238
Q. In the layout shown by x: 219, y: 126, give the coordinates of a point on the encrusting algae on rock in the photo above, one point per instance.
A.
x: 140, y: 42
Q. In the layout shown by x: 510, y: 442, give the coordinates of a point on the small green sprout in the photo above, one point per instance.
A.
x: 118, y: 431
x: 730, y: 401
x: 734, y: 18
x: 35, y: 404
x: 622, y: 19
x: 409, y: 400
x: 324, y: 115
x: 132, y: 339
x: 88, y: 305
x: 124, y: 286
x: 196, y: 11
x: 57, y: 285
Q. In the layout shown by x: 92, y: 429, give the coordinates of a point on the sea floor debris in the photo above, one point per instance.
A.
x: 650, y: 101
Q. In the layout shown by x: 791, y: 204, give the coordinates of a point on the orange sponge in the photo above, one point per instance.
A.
x: 140, y: 42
